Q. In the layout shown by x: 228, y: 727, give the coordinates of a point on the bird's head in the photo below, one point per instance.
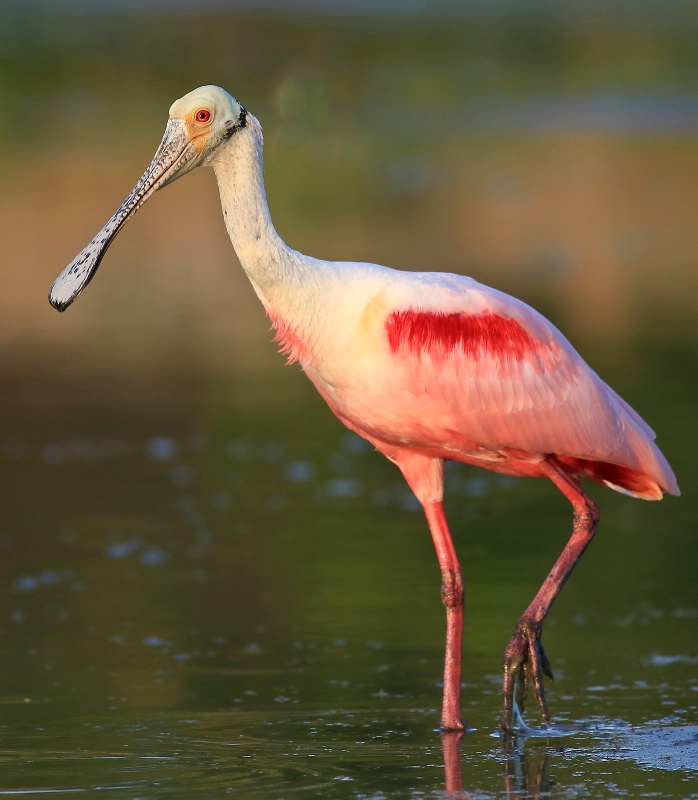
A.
x: 199, y: 123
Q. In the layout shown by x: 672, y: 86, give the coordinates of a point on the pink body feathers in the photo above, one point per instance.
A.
x: 426, y: 366
x: 493, y: 383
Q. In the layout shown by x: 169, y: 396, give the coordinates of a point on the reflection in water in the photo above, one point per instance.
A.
x: 526, y: 773
x: 450, y: 742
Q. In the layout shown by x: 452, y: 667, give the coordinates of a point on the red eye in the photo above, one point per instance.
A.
x: 203, y: 115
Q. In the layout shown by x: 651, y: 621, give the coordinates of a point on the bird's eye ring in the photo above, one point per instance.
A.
x: 202, y: 116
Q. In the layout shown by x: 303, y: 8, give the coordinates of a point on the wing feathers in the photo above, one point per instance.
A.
x: 505, y: 378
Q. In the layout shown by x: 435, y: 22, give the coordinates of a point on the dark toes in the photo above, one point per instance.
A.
x: 525, y: 664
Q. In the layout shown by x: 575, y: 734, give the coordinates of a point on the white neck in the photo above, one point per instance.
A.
x: 273, y: 268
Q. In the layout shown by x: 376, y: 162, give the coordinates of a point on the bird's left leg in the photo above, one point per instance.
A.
x: 525, y: 661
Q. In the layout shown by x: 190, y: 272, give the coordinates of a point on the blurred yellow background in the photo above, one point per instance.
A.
x: 550, y: 150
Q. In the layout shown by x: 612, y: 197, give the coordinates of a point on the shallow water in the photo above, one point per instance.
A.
x: 209, y: 593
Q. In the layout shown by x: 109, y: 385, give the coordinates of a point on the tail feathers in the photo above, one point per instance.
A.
x: 648, y: 460
x: 622, y: 479
x: 641, y: 470
x: 648, y: 477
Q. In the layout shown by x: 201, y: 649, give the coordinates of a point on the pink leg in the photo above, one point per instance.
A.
x: 452, y: 596
x: 525, y: 661
x: 424, y: 474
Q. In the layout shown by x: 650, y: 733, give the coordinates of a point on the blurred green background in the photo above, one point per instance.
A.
x: 184, y: 525
x: 548, y: 148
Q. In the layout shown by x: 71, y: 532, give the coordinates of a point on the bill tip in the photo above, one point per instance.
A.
x: 59, y: 305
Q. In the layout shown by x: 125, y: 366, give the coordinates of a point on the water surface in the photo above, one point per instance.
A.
x: 206, y: 595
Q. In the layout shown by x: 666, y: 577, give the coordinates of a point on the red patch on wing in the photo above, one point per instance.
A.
x: 438, y: 334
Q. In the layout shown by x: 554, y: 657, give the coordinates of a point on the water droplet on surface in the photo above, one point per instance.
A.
x: 27, y: 583
x: 162, y: 448
x: 354, y: 444
x: 53, y: 454
x: 68, y: 536
x: 120, y: 550
x: 300, y: 471
x: 343, y: 487
x: 238, y: 450
x: 408, y: 502
x: 154, y: 557
x: 221, y: 501
x: 181, y: 475
x: 272, y: 453
x: 476, y: 487
x: 156, y: 641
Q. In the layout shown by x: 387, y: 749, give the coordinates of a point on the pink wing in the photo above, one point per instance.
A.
x: 494, y: 372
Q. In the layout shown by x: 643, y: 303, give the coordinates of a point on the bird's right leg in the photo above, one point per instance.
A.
x: 452, y: 596
x: 424, y: 475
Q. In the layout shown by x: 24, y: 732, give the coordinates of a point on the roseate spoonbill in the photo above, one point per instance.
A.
x: 425, y: 366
